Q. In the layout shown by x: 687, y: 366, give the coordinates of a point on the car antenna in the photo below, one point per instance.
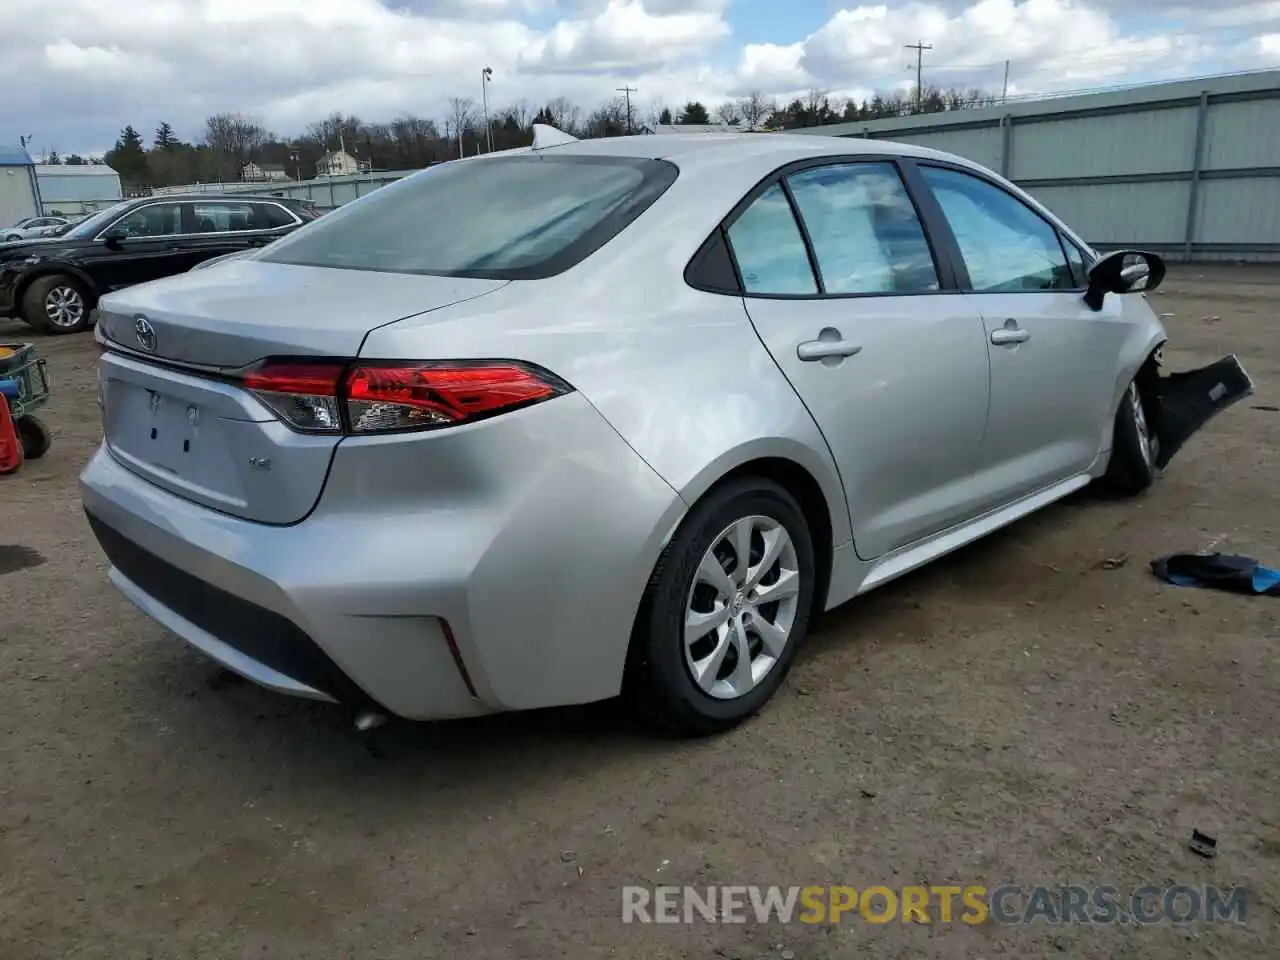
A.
x: 545, y: 135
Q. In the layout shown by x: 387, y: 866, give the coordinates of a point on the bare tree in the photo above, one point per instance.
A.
x: 462, y: 113
x: 521, y: 113
x: 609, y: 120
x: 232, y: 140
x: 564, y: 114
x: 756, y: 108
x: 729, y: 112
x: 232, y: 135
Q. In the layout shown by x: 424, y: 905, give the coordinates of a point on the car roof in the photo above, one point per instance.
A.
x: 196, y: 197
x: 713, y: 147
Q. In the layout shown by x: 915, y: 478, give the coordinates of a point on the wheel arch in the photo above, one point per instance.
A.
x: 1144, y: 366
x: 794, y: 468
x: 52, y: 269
x: 793, y: 476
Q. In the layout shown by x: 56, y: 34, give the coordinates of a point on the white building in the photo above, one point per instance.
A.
x: 19, y: 191
x: 339, y: 163
x: 258, y: 172
x: 73, y: 189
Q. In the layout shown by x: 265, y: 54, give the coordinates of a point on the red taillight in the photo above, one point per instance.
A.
x: 433, y: 395
x: 377, y: 397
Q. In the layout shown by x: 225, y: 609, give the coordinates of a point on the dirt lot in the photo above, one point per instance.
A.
x: 1018, y: 713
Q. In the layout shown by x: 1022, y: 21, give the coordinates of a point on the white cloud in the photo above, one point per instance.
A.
x: 75, y: 71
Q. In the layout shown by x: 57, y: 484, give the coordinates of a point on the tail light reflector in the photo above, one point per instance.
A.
x: 304, y: 395
x: 374, y: 397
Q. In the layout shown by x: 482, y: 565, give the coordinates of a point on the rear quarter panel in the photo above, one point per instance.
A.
x: 679, y: 373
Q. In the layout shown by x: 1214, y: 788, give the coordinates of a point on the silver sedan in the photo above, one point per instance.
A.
x: 613, y: 416
x: 33, y: 228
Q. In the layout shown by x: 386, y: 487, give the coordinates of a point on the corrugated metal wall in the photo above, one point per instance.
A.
x: 77, y: 189
x: 17, y: 194
x: 1189, y: 169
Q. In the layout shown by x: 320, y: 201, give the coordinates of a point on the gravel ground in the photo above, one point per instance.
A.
x: 1022, y: 712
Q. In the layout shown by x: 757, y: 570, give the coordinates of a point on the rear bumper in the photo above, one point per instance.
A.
x: 535, y: 575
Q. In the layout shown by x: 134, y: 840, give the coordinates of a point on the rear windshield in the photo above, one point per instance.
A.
x: 503, y: 218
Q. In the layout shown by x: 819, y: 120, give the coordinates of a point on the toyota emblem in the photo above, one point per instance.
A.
x: 145, y: 333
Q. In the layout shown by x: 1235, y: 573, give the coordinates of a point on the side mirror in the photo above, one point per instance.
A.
x: 113, y: 238
x: 1124, y: 271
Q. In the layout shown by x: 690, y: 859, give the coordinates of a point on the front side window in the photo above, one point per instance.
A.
x: 1007, y: 247
x: 502, y: 218
x: 156, y: 220
x: 864, y: 229
x: 769, y: 248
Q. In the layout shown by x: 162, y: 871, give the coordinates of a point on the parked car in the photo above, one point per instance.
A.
x: 540, y: 427
x: 33, y: 227
x: 54, y: 283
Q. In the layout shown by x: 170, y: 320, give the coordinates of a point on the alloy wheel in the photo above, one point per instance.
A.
x: 64, y: 307
x: 1140, y: 422
x: 742, y: 607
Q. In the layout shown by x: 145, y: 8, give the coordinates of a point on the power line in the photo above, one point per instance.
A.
x: 628, y: 91
x: 919, y: 47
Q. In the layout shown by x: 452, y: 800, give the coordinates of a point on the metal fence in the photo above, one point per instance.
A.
x: 1189, y: 169
x: 322, y: 191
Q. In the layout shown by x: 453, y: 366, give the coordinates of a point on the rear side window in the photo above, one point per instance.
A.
x: 769, y: 248
x: 271, y: 215
x: 504, y: 218
x: 215, y: 217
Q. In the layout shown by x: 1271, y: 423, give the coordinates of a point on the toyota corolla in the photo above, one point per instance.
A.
x: 615, y: 416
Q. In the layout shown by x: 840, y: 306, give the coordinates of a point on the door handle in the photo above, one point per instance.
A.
x: 1009, y: 335
x: 827, y: 349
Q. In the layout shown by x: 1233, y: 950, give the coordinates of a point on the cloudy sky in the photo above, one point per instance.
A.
x: 75, y: 71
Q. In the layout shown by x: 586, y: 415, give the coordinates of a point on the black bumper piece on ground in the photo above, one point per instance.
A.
x: 256, y: 632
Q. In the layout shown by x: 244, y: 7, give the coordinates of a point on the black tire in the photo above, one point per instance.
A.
x: 1134, y: 445
x: 35, y: 436
x: 12, y: 239
x: 35, y: 310
x: 660, y: 681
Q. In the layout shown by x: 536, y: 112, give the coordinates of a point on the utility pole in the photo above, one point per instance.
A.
x: 485, y: 76
x: 1004, y: 91
x: 919, y: 47
x: 627, y: 92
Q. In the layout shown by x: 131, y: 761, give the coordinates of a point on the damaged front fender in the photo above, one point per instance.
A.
x: 1182, y: 403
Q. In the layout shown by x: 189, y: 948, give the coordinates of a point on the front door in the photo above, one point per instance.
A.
x: 892, y: 366
x: 1053, y: 359
x: 149, y: 241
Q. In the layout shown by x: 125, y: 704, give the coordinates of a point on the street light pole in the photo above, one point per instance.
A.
x: 485, y: 76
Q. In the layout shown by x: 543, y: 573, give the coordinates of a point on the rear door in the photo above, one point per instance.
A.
x: 844, y: 291
x: 1054, y: 361
x: 216, y: 227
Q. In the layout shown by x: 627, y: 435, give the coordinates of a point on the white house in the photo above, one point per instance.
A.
x: 339, y: 163
x: 258, y: 172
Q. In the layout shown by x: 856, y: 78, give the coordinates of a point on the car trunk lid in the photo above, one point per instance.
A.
x: 241, y: 311
x: 173, y: 411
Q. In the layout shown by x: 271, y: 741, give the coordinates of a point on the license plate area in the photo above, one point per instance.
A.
x: 173, y: 426
x: 174, y: 440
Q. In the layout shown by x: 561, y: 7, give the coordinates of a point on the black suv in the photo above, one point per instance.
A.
x: 54, y: 283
